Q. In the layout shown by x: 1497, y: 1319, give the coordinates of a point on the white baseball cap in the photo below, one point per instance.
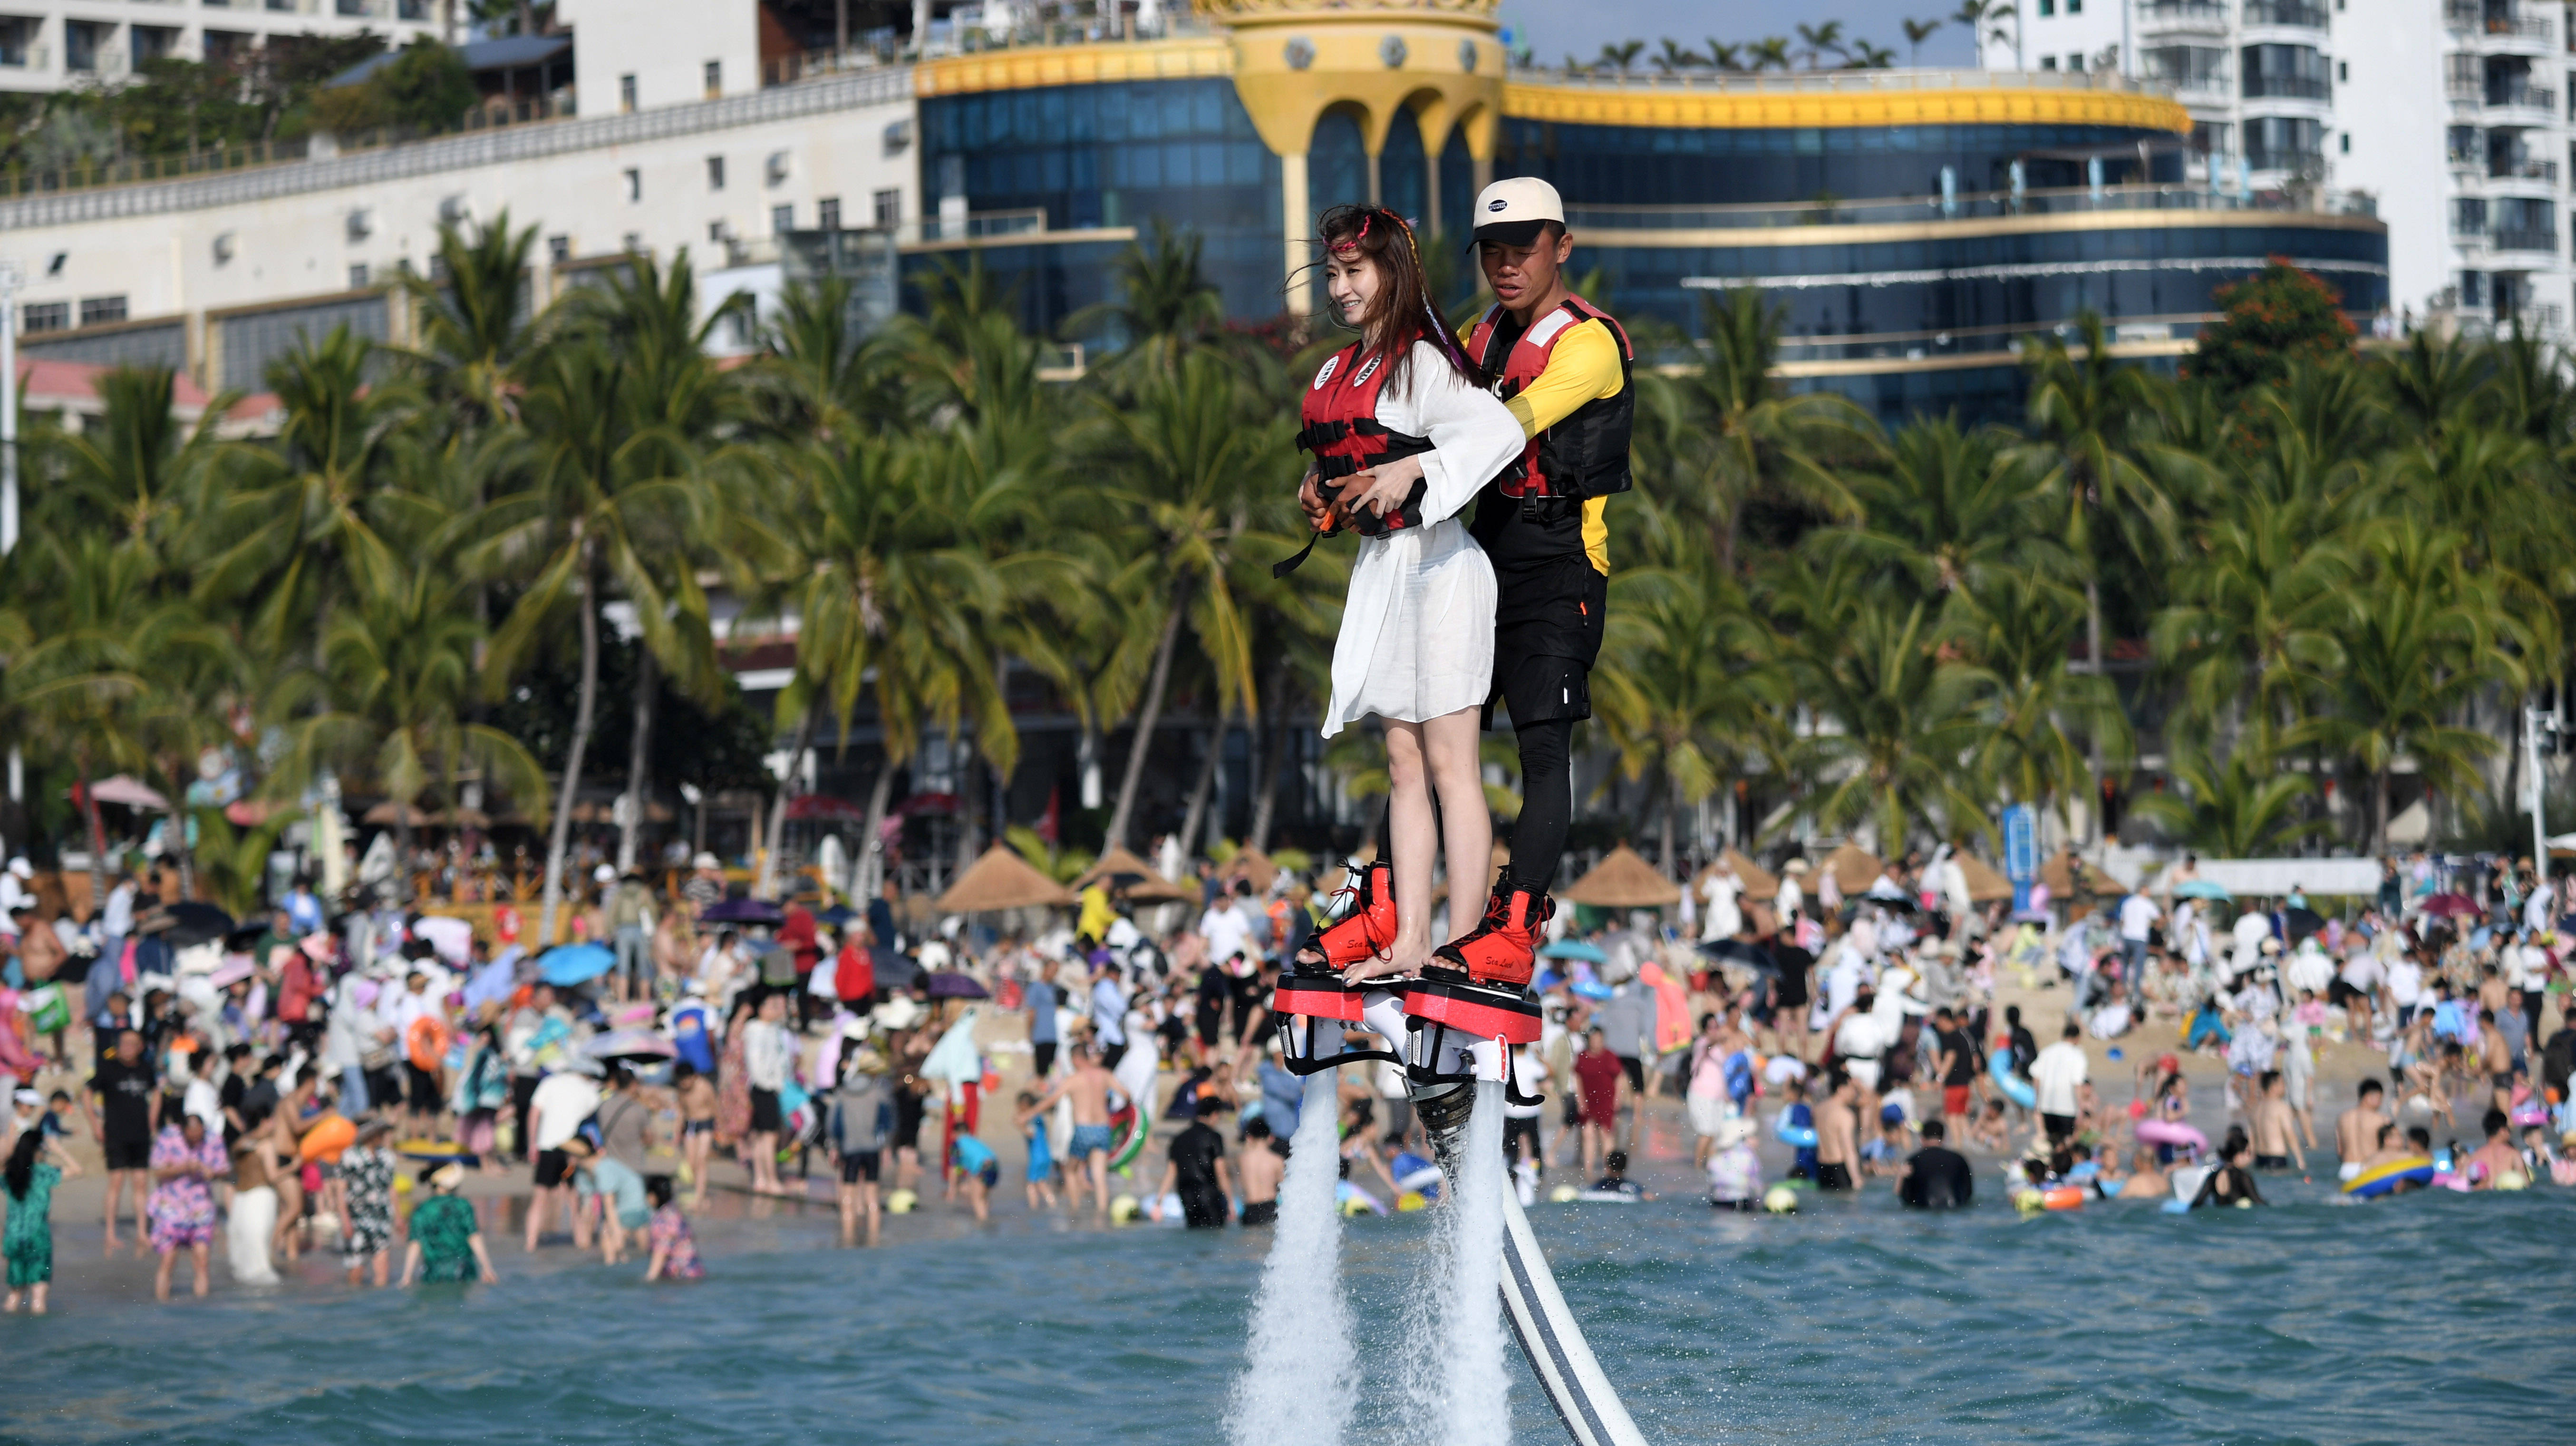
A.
x: 1511, y: 210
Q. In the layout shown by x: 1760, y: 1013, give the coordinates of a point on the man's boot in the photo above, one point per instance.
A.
x: 1501, y: 952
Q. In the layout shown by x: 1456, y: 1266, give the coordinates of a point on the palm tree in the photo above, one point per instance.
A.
x: 324, y: 513
x: 1165, y: 301
x: 1916, y: 32
x: 1623, y: 56
x: 1986, y: 21
x: 1815, y: 40
x: 2430, y: 634
x: 1733, y: 435
x: 817, y: 378
x: 1771, y: 52
x: 612, y: 491
x: 1725, y: 55
x: 1675, y: 57
x: 1906, y: 725
x: 398, y: 684
x: 1188, y: 467
x: 1691, y: 693
x: 1954, y: 513
x: 2016, y: 627
x: 136, y: 464
x: 474, y: 324
x: 1865, y: 56
x: 2244, y: 808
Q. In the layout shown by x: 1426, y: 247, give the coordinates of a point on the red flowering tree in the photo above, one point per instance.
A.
x: 2271, y: 317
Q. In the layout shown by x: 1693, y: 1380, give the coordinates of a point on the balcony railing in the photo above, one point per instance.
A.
x: 2285, y: 12
x: 2190, y: 14
x: 2533, y: 96
x: 2522, y: 239
x: 2288, y: 87
x: 2524, y: 170
x: 1964, y: 206
x: 2284, y: 160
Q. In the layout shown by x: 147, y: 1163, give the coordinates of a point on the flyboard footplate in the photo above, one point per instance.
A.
x: 1558, y: 1355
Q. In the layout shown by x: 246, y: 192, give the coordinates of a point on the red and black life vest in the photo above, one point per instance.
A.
x: 1342, y: 430
x: 1586, y: 454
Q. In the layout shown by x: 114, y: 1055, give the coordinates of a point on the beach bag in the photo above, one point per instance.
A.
x: 48, y: 1012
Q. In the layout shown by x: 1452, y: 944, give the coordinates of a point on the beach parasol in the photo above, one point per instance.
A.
x: 185, y: 923
x: 1575, y: 949
x: 1252, y: 865
x: 949, y: 984
x: 568, y: 964
x: 2300, y: 923
x: 2201, y: 889
x: 1148, y: 887
x: 2451, y: 906
x: 1984, y: 884
x: 630, y: 1044
x: 1739, y: 953
x: 1854, y: 869
x: 1001, y: 879
x: 128, y: 790
x: 1624, y: 881
x: 743, y: 911
x: 390, y: 812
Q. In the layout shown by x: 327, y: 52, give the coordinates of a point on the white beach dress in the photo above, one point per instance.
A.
x: 1417, y: 639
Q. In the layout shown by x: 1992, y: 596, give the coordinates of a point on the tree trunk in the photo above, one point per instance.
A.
x: 97, y: 839
x: 1197, y: 811
x: 560, y: 839
x: 2093, y: 736
x: 1273, y: 740
x: 639, y: 762
x: 2379, y: 811
x: 1672, y: 792
x: 1124, y: 814
x: 972, y: 797
x: 179, y: 840
x: 402, y: 852
x: 871, y: 871
x: 769, y: 876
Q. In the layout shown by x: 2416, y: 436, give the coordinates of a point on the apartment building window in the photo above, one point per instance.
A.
x: 626, y: 92
x: 81, y: 42
x: 223, y: 46
x: 355, y: 9
x: 2344, y: 143
x: 2047, y: 7
x: 2075, y: 62
x: 2468, y: 216
x: 715, y: 79
x: 285, y: 5
x: 2283, y: 143
x: 437, y: 269
x: 2048, y: 62
x: 151, y: 42
x: 2074, y: 7
x: 827, y: 213
x: 715, y: 173
x: 357, y: 276
x: 45, y: 316
x: 96, y: 309
x: 559, y: 249
x: 632, y: 243
x: 634, y: 185
x: 14, y: 33
x: 2473, y: 288
x: 414, y: 10
x: 2296, y: 72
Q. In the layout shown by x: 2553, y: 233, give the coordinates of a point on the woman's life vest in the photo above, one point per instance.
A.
x: 1586, y: 454
x: 1342, y: 430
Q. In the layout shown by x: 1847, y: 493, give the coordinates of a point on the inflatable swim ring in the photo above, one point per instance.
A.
x: 2174, y: 1133
x: 2013, y: 1086
x: 1802, y: 1136
x: 2385, y: 1177
x: 1128, y: 1128
x: 2064, y: 1197
x: 329, y: 1136
x: 426, y: 1043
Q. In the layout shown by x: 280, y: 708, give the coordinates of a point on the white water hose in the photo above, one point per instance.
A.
x: 1558, y: 1354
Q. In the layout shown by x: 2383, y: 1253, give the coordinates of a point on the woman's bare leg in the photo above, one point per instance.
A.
x: 1416, y: 834
x: 1466, y: 824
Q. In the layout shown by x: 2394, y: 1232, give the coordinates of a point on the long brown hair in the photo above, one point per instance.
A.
x: 1401, y: 312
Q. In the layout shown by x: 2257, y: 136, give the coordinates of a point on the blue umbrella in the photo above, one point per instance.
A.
x: 1592, y: 989
x: 1575, y: 949
x: 837, y: 915
x: 2201, y: 889
x: 575, y: 963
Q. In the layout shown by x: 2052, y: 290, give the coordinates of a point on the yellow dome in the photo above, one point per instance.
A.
x: 1357, y: 9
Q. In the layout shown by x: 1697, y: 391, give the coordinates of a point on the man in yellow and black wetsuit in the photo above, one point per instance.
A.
x: 1564, y: 368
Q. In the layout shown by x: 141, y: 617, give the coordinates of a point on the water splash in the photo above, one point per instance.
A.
x: 1301, y: 1375
x: 1472, y: 1406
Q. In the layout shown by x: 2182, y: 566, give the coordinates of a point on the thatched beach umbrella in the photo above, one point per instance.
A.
x: 1001, y: 879
x: 1155, y: 889
x: 1854, y: 869
x: 1624, y: 881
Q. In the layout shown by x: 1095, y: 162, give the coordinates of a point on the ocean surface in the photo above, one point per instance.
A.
x: 2434, y: 1316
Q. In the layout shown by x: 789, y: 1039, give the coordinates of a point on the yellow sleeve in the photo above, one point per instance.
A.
x: 1583, y: 367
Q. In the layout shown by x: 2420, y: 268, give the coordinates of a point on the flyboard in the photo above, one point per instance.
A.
x: 1450, y: 1030
x: 1558, y: 1355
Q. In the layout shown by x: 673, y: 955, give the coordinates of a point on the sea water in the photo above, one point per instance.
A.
x: 1297, y: 1383
x: 2432, y: 1316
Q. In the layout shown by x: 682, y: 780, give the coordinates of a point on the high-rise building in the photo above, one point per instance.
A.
x: 49, y: 45
x: 2448, y: 119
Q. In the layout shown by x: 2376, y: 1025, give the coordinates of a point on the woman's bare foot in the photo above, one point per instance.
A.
x: 1407, y: 956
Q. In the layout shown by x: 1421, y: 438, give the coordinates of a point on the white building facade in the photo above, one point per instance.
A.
x: 2449, y: 118
x: 50, y: 45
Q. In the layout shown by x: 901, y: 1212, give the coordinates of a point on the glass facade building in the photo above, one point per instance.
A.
x: 1912, y: 226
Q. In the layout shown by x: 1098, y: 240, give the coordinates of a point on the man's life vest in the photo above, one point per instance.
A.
x: 1586, y: 454
x: 1342, y: 430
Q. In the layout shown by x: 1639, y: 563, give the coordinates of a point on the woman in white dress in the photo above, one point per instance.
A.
x: 1404, y: 440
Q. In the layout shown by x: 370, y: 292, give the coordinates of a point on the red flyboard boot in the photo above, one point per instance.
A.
x: 1501, y: 952
x: 1366, y: 932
